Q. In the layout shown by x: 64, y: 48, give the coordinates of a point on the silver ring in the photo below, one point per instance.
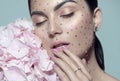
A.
x: 77, y: 69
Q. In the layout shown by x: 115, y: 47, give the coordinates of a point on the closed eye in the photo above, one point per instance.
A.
x: 40, y: 23
x: 68, y: 15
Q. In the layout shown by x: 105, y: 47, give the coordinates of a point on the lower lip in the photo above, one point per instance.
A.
x: 60, y: 49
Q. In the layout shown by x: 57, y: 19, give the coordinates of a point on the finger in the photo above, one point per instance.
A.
x: 85, y: 64
x: 66, y: 68
x: 61, y: 74
x: 70, y: 62
x: 79, y: 62
x: 66, y: 59
x: 81, y: 76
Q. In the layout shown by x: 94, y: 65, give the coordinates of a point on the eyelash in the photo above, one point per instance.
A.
x: 64, y: 16
x: 68, y: 15
x: 40, y: 23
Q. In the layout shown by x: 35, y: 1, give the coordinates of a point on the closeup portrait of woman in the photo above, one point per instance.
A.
x: 61, y: 40
x: 67, y: 29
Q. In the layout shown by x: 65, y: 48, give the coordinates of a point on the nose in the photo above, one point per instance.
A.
x: 54, y: 29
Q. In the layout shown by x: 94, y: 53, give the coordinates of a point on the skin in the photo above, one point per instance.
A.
x: 69, y: 21
x: 77, y: 29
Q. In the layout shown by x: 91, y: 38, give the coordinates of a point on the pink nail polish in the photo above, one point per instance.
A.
x: 54, y: 65
x: 84, y: 61
x: 64, y: 47
x: 52, y: 57
x: 55, y: 51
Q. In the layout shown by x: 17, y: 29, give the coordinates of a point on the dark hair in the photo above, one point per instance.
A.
x: 97, y: 45
x: 92, y: 4
x: 99, y: 53
x: 29, y: 6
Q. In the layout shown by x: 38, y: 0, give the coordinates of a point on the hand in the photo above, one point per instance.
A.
x: 70, y: 67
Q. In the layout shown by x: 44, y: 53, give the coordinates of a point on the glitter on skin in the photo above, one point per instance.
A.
x: 72, y: 27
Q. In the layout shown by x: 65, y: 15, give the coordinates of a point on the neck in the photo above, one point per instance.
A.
x: 95, y: 71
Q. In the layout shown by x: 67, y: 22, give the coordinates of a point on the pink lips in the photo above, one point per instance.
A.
x: 59, y: 46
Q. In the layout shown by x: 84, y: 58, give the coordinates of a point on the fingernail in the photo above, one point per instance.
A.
x: 64, y: 47
x: 54, y: 65
x: 55, y: 51
x: 52, y: 57
x: 84, y: 61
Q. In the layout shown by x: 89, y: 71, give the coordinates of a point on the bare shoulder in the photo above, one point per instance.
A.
x: 111, y: 78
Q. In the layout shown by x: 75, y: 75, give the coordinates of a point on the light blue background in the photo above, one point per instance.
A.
x: 109, y: 33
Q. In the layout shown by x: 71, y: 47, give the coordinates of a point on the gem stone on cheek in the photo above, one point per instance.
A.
x: 82, y: 15
x: 83, y: 7
x: 79, y: 44
x: 72, y: 44
x: 80, y: 32
x: 47, y: 4
x: 81, y: 27
x: 76, y: 28
x: 44, y: 9
x: 75, y: 35
x: 71, y: 29
x: 61, y: 24
x: 56, y: 39
x: 42, y: 30
x: 67, y: 32
x: 39, y: 4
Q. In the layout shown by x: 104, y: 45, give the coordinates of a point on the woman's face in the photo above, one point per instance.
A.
x: 63, y: 24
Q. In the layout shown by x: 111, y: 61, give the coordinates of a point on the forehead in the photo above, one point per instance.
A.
x: 45, y: 3
x: 39, y: 4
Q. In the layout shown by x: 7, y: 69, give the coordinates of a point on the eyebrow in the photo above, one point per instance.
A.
x: 39, y: 13
x: 62, y: 3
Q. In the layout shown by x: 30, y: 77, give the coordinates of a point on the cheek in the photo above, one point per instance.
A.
x: 80, y: 35
x: 85, y: 33
x: 81, y: 29
x: 41, y: 33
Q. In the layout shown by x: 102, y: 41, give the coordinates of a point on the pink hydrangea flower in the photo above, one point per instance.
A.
x: 22, y: 57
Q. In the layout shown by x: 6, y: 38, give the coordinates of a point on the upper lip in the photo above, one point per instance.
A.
x: 58, y: 44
